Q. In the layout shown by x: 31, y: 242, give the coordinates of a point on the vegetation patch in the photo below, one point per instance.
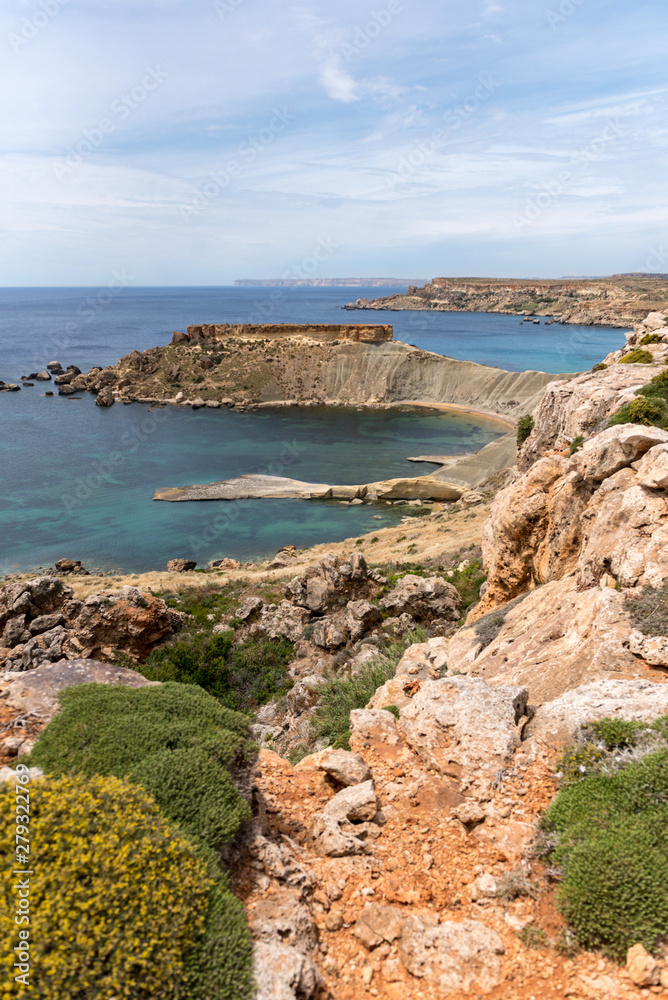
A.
x: 118, y: 896
x: 488, y: 627
x: 650, y: 338
x: 525, y: 426
x: 608, y: 829
x: 152, y: 735
x: 240, y: 675
x: 340, y: 695
x: 637, y: 357
x: 649, y: 610
x: 576, y: 444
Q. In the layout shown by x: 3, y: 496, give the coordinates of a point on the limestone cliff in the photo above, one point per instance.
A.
x: 620, y: 300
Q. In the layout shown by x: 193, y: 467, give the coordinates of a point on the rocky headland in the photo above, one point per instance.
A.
x: 621, y: 300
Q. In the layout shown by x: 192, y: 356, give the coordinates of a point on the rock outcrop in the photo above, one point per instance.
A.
x: 41, y: 622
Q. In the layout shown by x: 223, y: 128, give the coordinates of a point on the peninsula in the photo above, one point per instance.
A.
x: 621, y: 300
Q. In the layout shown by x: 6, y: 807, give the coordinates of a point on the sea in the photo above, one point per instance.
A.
x: 77, y: 480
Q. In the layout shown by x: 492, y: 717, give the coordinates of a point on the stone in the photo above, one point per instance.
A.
x: 331, y: 633
x: 44, y: 623
x: 465, y: 728
x: 181, y: 565
x: 282, y: 916
x: 642, y: 967
x: 248, y: 608
x: 36, y: 692
x: 54, y: 366
x: 283, y: 972
x: 346, y: 767
x: 43, y: 376
x: 455, y: 957
x: 424, y: 597
x: 616, y: 448
x: 653, y: 649
x: 285, y: 557
x: 71, y: 566
x: 469, y: 812
x: 281, y: 620
x: 421, y: 662
x: 105, y: 396
x: 357, y: 803
x: 379, y: 923
x: 10, y: 387
x: 227, y: 564
x: 558, y: 721
x: 652, y: 469
x: 361, y: 617
x: 373, y: 724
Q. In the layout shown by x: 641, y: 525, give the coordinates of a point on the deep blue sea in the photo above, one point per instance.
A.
x: 77, y: 480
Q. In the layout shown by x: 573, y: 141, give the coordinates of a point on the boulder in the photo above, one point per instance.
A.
x: 465, y: 728
x: 345, y: 767
x: 248, y: 608
x: 332, y: 632
x: 282, y: 620
x: 652, y: 469
x: 653, y: 649
x: 36, y: 693
x: 356, y: 803
x: 181, y: 565
x: 455, y: 957
x: 43, y: 376
x: 643, y: 969
x: 557, y: 722
x: 423, y: 661
x: 379, y: 923
x: 283, y: 972
x: 424, y: 597
x: 71, y: 567
x: 361, y: 617
x: 616, y: 448
x: 227, y: 564
x: 105, y: 396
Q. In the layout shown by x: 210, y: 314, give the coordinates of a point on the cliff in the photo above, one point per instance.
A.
x: 617, y: 301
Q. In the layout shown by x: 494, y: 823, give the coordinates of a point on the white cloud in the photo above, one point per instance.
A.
x: 338, y: 84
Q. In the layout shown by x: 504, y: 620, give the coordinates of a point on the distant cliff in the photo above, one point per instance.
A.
x: 328, y: 282
x: 622, y: 300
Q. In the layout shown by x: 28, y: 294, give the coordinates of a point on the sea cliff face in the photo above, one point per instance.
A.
x: 618, y: 301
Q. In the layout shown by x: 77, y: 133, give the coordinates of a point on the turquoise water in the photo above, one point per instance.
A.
x: 77, y: 480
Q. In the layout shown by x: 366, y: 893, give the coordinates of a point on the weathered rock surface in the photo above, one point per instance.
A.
x: 345, y: 767
x: 42, y: 623
x: 181, y: 565
x: 558, y: 721
x: 423, y: 661
x: 456, y: 957
x: 465, y: 728
x: 35, y: 693
x: 424, y: 597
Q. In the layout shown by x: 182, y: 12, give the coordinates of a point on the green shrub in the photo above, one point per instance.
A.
x: 468, y: 582
x: 615, y: 734
x: 615, y: 891
x: 340, y: 695
x: 525, y: 426
x: 650, y: 338
x: 637, y: 357
x: 610, y: 832
x: 220, y: 967
x: 393, y: 709
x: 600, y: 367
x: 240, y: 676
x: 661, y: 377
x: 117, y: 896
x: 648, y: 609
x: 576, y: 761
x: 149, y: 734
x: 648, y: 412
x: 576, y: 444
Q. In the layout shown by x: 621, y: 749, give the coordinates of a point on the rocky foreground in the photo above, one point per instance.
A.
x: 405, y: 867
x: 621, y: 300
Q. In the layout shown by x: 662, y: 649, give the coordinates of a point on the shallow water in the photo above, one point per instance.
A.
x: 77, y: 480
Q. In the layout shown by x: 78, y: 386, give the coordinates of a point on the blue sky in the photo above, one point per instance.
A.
x: 195, y: 143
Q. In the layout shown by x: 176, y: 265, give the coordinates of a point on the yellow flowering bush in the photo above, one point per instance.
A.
x: 118, y: 897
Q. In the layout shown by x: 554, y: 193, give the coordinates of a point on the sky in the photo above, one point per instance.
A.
x: 195, y: 143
